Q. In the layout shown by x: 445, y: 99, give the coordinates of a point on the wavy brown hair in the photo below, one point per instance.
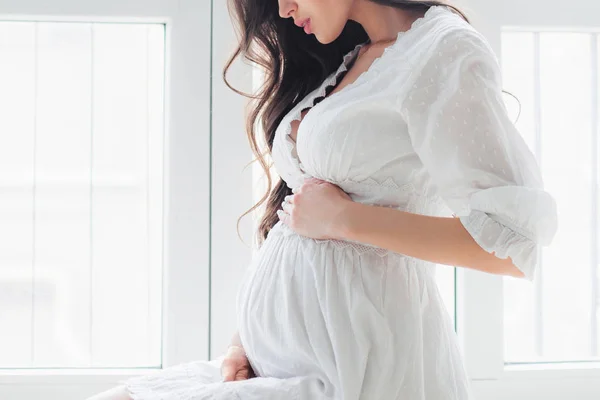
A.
x: 293, y: 64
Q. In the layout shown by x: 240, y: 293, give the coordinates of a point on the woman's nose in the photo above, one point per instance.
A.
x: 286, y: 7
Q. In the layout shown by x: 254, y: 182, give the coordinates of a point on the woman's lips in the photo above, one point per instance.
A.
x: 307, y: 27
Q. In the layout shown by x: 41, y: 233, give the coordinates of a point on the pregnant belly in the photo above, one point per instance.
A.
x: 306, y: 307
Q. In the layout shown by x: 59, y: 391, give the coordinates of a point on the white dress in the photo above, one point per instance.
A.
x: 423, y: 130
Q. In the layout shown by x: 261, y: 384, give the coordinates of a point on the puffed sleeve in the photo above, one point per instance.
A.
x: 476, y: 158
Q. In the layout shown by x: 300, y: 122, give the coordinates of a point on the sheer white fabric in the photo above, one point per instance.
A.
x: 422, y: 130
x: 478, y: 161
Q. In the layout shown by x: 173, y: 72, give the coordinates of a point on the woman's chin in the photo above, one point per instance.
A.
x: 328, y: 37
x: 324, y: 40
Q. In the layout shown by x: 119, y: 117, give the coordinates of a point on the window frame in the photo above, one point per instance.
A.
x: 198, y: 40
x: 186, y: 217
x: 233, y: 181
x: 480, y: 296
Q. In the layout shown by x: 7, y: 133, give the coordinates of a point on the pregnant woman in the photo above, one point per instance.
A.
x: 383, y: 118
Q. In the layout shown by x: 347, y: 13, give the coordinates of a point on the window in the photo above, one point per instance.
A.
x: 556, y: 75
x: 104, y: 223
x: 81, y: 182
x: 524, y: 340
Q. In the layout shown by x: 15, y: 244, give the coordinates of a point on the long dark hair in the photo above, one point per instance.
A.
x: 294, y: 64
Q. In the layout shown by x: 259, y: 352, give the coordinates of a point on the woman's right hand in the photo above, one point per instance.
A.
x: 235, y: 366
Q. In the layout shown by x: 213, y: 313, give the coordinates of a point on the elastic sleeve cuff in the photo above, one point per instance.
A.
x: 495, y: 237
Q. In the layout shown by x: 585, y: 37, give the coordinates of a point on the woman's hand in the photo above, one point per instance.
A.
x: 235, y: 366
x: 315, y: 209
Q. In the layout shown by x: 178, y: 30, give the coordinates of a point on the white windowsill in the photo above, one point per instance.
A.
x: 553, y: 370
x: 57, y: 376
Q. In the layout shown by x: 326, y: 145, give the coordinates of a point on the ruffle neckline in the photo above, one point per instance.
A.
x: 296, y: 115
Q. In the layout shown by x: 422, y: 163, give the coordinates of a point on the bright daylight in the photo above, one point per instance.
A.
x: 300, y: 200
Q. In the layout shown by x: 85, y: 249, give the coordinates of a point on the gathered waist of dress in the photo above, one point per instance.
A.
x: 281, y: 229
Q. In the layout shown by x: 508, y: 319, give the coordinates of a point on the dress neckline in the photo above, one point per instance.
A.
x: 320, y: 91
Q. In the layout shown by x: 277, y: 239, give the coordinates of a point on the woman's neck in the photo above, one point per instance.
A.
x: 382, y: 23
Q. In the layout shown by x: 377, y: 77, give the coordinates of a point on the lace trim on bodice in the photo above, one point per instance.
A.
x: 296, y: 113
x: 321, y: 91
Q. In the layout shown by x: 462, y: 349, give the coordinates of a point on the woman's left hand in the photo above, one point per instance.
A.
x: 315, y: 209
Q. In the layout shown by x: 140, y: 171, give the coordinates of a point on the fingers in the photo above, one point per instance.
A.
x: 283, y: 216
x: 235, y: 365
x: 234, y: 372
x: 308, y: 181
x: 229, y: 367
x: 229, y: 373
x: 232, y: 375
x: 241, y: 375
x: 287, y: 207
